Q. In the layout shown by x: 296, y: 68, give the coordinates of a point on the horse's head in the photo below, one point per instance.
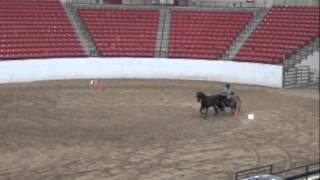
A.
x: 200, y: 96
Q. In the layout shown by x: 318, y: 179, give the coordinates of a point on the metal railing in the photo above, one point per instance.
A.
x: 224, y: 4
x: 253, y: 171
x: 83, y: 1
x: 289, y: 174
x: 295, y: 2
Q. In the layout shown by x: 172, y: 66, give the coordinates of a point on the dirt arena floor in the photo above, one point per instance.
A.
x: 150, y: 130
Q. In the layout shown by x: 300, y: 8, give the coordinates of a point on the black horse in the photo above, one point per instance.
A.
x: 215, y: 101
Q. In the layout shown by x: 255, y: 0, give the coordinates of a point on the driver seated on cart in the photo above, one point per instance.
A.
x: 227, y: 94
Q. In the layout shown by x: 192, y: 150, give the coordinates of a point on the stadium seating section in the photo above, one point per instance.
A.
x: 36, y: 28
x: 122, y: 32
x: 280, y: 33
x: 41, y: 28
x: 204, y: 34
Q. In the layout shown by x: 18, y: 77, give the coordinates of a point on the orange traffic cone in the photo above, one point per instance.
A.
x: 236, y: 114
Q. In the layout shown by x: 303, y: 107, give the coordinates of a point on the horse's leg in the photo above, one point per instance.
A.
x: 201, y: 108
x: 221, y: 107
x: 205, y: 115
x: 215, y: 110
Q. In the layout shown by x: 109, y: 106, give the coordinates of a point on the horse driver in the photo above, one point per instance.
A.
x: 227, y: 94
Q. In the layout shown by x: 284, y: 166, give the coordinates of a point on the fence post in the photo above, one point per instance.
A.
x: 307, y: 169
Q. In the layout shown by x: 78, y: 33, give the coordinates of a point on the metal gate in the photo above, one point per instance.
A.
x: 299, y: 76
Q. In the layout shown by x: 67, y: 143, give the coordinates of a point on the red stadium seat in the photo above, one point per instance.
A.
x: 122, y: 32
x: 204, y: 34
x: 34, y: 29
x: 282, y: 30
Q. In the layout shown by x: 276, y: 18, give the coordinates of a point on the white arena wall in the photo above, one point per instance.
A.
x: 140, y: 68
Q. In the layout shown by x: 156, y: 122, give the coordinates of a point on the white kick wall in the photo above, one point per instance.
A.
x: 141, y: 68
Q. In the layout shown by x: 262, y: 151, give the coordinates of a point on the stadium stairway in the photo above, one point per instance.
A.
x: 245, y: 33
x: 80, y: 29
x: 161, y: 47
x: 160, y: 31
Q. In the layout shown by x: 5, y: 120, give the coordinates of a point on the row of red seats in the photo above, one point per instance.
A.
x: 198, y: 23
x: 293, y: 15
x: 291, y: 20
x: 116, y: 20
x: 271, y: 45
x: 279, y: 34
x: 35, y: 31
x: 298, y: 10
x: 119, y: 32
x: 212, y: 14
x: 129, y: 29
x: 103, y: 12
x: 208, y: 13
x: 123, y: 36
x: 286, y: 28
x: 50, y: 41
x: 248, y: 48
x: 200, y: 26
x: 41, y: 49
x: 120, y: 21
x: 286, y: 33
x: 281, y: 37
x: 278, y: 41
x: 132, y: 40
x: 122, y: 32
x: 199, y: 34
x: 201, y: 42
x: 119, y: 13
x: 123, y: 51
x: 262, y: 54
x: 198, y: 46
x: 290, y: 16
x: 258, y: 59
x: 39, y: 35
x: 27, y: 18
x: 36, y: 28
x: 126, y: 49
x: 30, y: 16
x: 64, y: 27
x: 209, y: 19
x: 291, y: 25
x: 34, y: 23
x: 25, y: 55
x: 126, y: 54
x: 177, y: 37
x: 193, y: 55
x: 37, y: 44
x: 122, y: 25
x: 204, y: 31
x: 124, y: 45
